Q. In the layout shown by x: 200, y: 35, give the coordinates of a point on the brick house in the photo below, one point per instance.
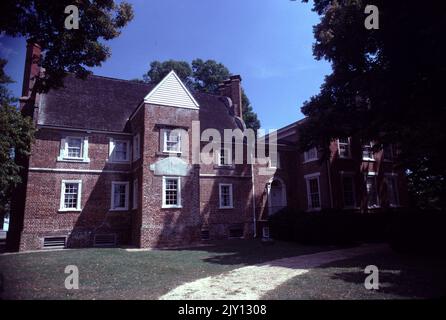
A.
x: 111, y: 165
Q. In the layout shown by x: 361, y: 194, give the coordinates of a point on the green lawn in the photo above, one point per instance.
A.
x: 400, y: 277
x: 119, y: 274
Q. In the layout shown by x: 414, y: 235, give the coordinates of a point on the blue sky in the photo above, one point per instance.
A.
x: 267, y: 42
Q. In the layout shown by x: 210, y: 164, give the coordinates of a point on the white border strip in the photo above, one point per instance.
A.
x: 76, y: 170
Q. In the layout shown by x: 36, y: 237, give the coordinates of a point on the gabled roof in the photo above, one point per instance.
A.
x: 101, y: 103
x: 171, y: 92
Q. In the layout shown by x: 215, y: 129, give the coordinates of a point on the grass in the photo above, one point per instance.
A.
x: 118, y: 274
x: 400, y: 277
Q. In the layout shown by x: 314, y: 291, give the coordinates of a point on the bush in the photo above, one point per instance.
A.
x: 408, y: 231
x: 419, y: 232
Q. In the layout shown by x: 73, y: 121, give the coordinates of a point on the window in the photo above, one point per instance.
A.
x: 224, y: 157
x: 70, y: 199
x: 119, y: 150
x: 172, y: 140
x: 388, y: 152
x: 313, y: 191
x: 120, y: 195
x: 344, y: 147
x: 135, y: 194
x: 225, y: 193
x: 367, y: 151
x: 136, y: 147
x: 348, y: 190
x: 274, y: 160
x: 392, y: 190
x: 171, y: 192
x: 73, y: 149
x: 310, y: 155
x: 372, y: 192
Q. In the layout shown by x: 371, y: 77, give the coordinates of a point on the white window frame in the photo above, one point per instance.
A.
x: 62, y: 195
x: 228, y: 157
x: 348, y: 144
x: 135, y: 194
x: 136, y: 147
x: 378, y: 200
x: 309, y: 177
x: 111, y: 150
x: 231, y: 196
x: 178, y: 205
x: 63, y: 151
x: 368, y: 145
x: 112, y: 202
x: 352, y: 176
x: 308, y: 155
x: 165, y: 132
x: 270, y: 162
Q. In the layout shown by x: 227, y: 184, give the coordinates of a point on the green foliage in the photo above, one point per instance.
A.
x: 203, y: 76
x: 386, y: 84
x: 158, y: 70
x: 42, y: 21
x: 16, y: 135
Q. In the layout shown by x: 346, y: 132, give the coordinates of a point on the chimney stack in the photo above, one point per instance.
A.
x: 232, y: 89
x: 32, y: 69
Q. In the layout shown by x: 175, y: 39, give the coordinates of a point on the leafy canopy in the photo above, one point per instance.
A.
x: 386, y: 84
x: 202, y: 76
x: 42, y: 22
x: 16, y: 135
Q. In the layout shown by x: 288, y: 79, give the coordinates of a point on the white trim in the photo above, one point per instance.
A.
x: 167, y: 130
x: 82, y: 130
x: 151, y: 93
x: 231, y: 196
x: 163, y: 204
x: 378, y: 200
x: 306, y: 154
x: 214, y: 175
x: 348, y: 144
x: 370, y: 144
x: 111, y: 149
x: 284, y: 193
x: 75, y: 170
x: 63, y: 150
x: 229, y: 155
x: 277, y: 166
x: 62, y: 196
x: 126, y: 207
x: 308, y: 177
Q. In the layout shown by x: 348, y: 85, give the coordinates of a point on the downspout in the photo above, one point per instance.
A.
x: 253, y: 197
x: 329, y: 184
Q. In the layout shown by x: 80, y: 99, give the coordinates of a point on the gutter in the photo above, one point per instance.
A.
x: 253, y: 198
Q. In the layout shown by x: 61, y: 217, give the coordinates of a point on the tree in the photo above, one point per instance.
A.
x: 43, y: 22
x: 158, y: 70
x: 385, y: 85
x: 203, y: 76
x: 16, y: 135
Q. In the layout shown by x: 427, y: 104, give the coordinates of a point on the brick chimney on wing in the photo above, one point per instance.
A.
x: 232, y: 89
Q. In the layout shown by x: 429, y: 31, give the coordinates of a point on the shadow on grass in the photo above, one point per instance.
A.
x: 254, y: 251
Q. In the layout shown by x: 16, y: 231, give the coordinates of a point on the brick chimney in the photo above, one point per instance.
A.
x: 32, y: 69
x: 232, y: 89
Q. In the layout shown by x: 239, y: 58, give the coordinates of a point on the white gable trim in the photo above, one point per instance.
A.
x: 157, y: 97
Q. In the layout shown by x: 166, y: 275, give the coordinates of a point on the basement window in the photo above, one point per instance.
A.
x: 54, y: 242
x: 105, y: 240
x: 236, y: 232
x: 205, y: 235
